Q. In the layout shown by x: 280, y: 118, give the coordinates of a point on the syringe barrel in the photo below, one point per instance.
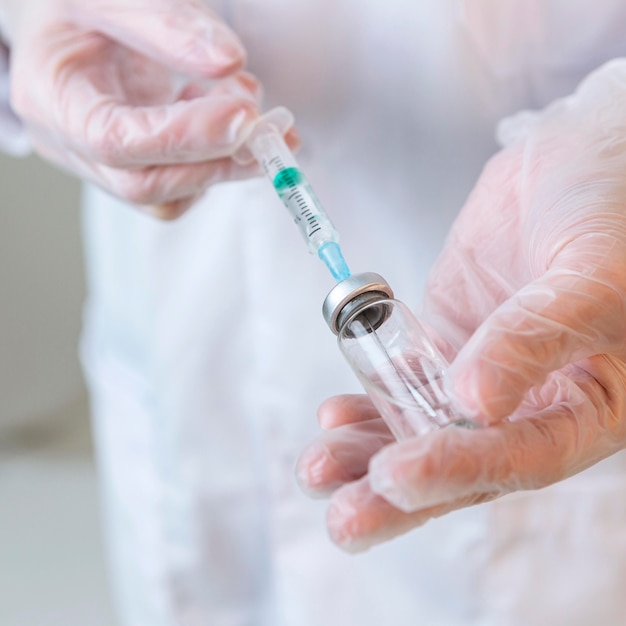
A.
x: 270, y: 150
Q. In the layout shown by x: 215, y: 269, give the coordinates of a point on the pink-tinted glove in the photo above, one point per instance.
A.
x: 531, y: 291
x: 125, y: 93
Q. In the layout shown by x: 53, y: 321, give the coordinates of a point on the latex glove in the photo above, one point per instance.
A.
x: 531, y: 291
x: 104, y: 89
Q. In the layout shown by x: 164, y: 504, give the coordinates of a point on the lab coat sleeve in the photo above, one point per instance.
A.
x: 14, y: 139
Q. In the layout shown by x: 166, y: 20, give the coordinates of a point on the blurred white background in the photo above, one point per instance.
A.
x: 51, y: 557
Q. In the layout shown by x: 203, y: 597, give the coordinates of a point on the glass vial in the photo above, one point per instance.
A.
x: 399, y: 367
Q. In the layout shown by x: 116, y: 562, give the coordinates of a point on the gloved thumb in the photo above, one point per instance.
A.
x: 566, y: 315
x: 182, y: 34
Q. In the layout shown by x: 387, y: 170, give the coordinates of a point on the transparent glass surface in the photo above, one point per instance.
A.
x: 399, y: 367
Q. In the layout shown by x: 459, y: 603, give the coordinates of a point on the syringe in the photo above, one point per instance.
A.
x: 268, y: 147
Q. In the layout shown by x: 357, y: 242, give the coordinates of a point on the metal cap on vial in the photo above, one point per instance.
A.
x: 353, y: 294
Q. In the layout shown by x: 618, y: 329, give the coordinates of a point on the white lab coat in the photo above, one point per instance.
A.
x: 207, y: 354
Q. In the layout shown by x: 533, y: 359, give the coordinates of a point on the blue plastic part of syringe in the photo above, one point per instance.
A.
x: 330, y: 253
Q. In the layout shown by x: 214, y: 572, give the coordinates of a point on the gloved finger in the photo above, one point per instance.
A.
x: 566, y: 315
x: 168, y: 191
x: 340, y: 456
x: 358, y: 518
x: 242, y: 83
x: 346, y: 409
x: 184, y: 35
x: 155, y: 187
x: 187, y: 131
x: 577, y: 430
x: 464, y: 286
x: 166, y: 183
x: 159, y: 185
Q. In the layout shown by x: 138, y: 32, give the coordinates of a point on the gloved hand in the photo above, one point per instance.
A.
x: 531, y: 291
x: 124, y: 93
